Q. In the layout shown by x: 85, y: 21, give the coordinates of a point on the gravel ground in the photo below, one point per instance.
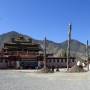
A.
x: 30, y: 80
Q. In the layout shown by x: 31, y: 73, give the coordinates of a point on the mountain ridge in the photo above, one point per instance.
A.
x: 77, y: 47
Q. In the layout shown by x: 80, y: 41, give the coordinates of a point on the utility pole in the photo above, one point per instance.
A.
x: 68, y: 47
x: 87, y: 56
x: 45, y: 53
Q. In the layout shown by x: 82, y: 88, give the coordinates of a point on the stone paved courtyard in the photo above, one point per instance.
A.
x: 28, y: 80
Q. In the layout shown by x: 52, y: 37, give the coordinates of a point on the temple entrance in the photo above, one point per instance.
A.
x: 32, y: 64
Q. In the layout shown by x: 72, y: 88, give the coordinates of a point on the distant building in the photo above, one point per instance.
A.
x: 20, y: 53
x: 24, y: 54
x: 60, y: 62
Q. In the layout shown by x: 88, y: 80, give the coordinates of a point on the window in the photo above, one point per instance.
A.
x: 65, y: 60
x: 6, y: 61
x: 53, y: 60
x: 72, y: 60
x: 1, y: 61
x: 57, y: 60
x: 49, y: 60
x: 61, y: 60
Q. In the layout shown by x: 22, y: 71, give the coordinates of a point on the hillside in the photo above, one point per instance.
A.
x: 77, y: 48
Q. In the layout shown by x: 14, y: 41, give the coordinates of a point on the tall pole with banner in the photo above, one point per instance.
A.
x: 87, y: 56
x: 68, y: 47
x: 45, y: 53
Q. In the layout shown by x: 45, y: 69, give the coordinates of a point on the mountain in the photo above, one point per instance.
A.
x: 77, y: 48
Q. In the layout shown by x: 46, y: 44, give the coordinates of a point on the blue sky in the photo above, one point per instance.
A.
x: 50, y: 18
